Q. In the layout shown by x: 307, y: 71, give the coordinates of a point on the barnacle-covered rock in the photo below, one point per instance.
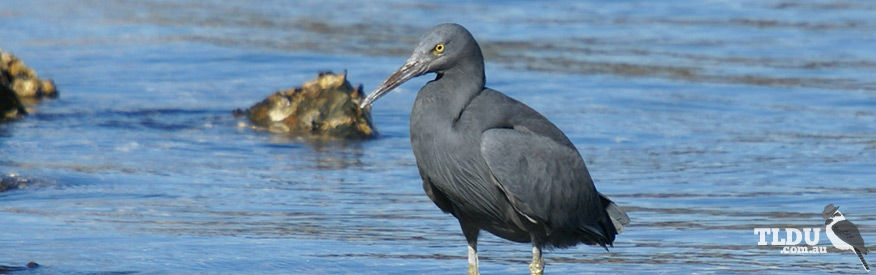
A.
x: 18, y: 84
x: 24, y: 80
x: 327, y: 107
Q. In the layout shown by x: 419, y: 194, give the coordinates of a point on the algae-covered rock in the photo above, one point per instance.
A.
x: 327, y: 107
x: 24, y: 80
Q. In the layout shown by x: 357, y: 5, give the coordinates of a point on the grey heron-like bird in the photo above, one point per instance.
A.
x: 491, y: 161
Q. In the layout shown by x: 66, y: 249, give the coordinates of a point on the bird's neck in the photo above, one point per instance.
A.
x: 461, y: 83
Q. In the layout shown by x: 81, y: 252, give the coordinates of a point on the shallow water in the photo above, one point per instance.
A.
x: 703, y: 120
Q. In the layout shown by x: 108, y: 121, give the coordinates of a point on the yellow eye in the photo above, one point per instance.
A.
x: 439, y: 48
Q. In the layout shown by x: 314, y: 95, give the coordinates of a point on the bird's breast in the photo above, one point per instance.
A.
x: 452, y: 162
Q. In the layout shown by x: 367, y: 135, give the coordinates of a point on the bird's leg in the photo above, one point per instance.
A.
x: 473, y: 258
x: 471, y: 236
x: 537, y: 265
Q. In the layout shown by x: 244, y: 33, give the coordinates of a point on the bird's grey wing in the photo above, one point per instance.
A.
x: 544, y: 180
x: 848, y: 232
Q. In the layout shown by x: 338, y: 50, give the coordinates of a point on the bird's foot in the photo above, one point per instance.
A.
x: 536, y: 267
x: 473, y: 270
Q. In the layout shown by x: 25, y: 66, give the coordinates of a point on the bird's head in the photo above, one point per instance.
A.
x: 829, y: 211
x: 837, y: 216
x: 442, y: 48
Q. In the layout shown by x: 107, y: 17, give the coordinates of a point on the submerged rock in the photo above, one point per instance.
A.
x: 12, y: 182
x: 327, y: 107
x: 29, y: 265
x: 24, y: 80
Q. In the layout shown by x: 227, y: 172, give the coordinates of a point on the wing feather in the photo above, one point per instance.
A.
x: 542, y: 178
x: 848, y: 232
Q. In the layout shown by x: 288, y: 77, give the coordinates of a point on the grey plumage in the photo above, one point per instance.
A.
x: 849, y: 233
x: 493, y: 162
x: 843, y: 234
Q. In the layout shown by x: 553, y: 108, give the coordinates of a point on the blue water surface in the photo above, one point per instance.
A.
x: 703, y: 119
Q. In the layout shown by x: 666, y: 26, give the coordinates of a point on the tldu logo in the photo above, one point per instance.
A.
x: 842, y: 234
x: 792, y: 236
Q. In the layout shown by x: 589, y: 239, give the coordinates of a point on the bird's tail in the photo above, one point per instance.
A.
x: 618, y: 217
x: 863, y: 262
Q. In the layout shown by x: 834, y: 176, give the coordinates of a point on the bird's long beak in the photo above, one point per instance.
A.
x: 412, y: 68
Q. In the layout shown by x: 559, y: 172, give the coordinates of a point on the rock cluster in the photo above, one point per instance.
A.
x: 19, y: 83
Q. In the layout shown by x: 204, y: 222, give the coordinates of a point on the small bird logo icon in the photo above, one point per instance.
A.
x: 843, y: 234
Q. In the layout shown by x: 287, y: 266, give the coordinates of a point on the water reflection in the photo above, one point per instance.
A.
x: 325, y: 154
